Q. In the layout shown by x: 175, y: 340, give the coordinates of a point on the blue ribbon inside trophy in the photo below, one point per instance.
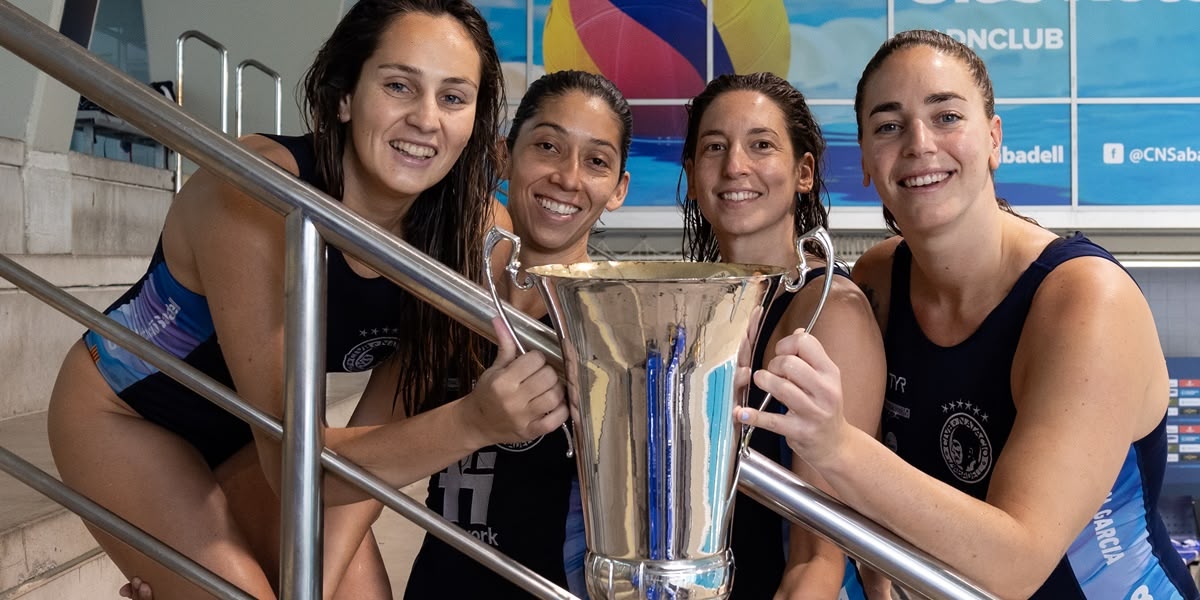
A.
x: 657, y: 358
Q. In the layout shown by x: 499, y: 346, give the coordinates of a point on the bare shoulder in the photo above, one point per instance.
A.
x: 204, y: 187
x: 1089, y: 319
x: 1092, y: 293
x: 213, y: 222
x: 873, y: 274
x: 850, y: 337
x: 845, y: 300
x: 271, y: 150
x: 1088, y: 285
x: 875, y: 265
x: 846, y: 317
x: 500, y: 217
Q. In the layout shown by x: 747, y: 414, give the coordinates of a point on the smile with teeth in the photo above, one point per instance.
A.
x: 738, y: 196
x: 923, y: 180
x: 557, y: 208
x: 414, y: 150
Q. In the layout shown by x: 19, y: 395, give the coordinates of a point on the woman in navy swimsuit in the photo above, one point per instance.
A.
x: 754, y: 159
x: 565, y: 164
x: 403, y: 101
x: 1024, y: 424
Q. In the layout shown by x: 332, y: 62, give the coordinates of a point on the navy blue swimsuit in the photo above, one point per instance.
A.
x: 513, y: 497
x: 759, y: 537
x: 949, y: 411
x: 364, y: 319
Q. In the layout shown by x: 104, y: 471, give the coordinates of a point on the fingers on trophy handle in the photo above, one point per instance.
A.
x: 513, y: 268
x: 748, y: 430
x: 819, y: 236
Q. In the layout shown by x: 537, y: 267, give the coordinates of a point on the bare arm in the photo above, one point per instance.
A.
x: 1088, y: 368
x: 847, y: 329
x: 873, y: 273
x: 234, y: 252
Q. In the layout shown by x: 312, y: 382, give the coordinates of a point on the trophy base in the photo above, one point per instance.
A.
x: 697, y: 579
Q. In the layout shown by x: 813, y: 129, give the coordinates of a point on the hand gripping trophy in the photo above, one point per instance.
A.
x: 657, y: 358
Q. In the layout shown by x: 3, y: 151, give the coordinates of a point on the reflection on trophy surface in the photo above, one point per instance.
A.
x: 657, y: 357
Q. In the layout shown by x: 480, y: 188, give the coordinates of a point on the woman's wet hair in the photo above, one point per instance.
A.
x: 560, y: 83
x: 446, y: 221
x: 699, y: 241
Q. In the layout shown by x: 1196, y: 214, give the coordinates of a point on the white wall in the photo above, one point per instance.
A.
x: 282, y: 34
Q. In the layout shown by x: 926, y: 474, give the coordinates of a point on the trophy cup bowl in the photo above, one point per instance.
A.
x: 656, y: 356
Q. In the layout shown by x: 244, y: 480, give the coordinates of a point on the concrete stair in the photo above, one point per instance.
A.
x: 46, y: 552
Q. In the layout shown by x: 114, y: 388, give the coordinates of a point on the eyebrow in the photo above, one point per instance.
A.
x: 754, y: 131
x: 935, y: 98
x: 411, y: 70
x: 563, y: 131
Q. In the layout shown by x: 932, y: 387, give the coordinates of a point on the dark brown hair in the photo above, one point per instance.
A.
x: 557, y: 84
x: 950, y: 47
x: 446, y: 221
x: 699, y: 241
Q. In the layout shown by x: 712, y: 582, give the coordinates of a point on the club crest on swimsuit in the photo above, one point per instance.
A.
x: 379, y: 344
x: 521, y: 446
x: 966, y: 448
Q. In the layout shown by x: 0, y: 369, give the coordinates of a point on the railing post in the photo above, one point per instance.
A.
x: 303, y: 412
x: 180, y: 42
x: 237, y: 94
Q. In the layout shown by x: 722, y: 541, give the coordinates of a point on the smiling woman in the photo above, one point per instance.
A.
x: 402, y: 103
x: 753, y: 156
x: 1024, y: 440
x: 565, y: 163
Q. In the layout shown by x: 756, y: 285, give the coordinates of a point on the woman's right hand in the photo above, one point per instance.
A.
x: 803, y: 378
x: 518, y: 398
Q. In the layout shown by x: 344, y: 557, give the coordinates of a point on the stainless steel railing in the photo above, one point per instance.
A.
x: 223, y: 54
x: 429, y: 280
x: 238, y: 86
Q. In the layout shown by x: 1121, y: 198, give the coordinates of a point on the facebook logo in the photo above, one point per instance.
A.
x: 1114, y: 154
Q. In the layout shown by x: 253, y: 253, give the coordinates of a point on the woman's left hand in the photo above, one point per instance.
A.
x: 805, y: 380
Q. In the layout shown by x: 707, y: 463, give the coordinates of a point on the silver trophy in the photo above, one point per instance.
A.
x: 657, y: 358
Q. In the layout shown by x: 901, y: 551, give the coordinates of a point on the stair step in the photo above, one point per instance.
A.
x: 91, y: 575
x: 46, y: 553
x: 37, y: 536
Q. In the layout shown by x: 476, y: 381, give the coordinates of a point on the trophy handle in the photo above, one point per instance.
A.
x: 513, y: 268
x: 821, y: 237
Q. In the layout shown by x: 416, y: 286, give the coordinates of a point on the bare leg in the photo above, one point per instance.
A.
x: 366, y: 576
x: 358, y: 576
x: 151, y: 478
x: 351, y: 562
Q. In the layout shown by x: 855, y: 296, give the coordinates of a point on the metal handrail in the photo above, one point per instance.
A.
x: 227, y: 399
x: 427, y: 279
x: 117, y: 527
x: 237, y: 87
x: 180, y: 42
x: 303, y: 409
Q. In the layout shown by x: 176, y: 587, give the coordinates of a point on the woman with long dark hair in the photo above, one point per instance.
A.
x: 403, y: 104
